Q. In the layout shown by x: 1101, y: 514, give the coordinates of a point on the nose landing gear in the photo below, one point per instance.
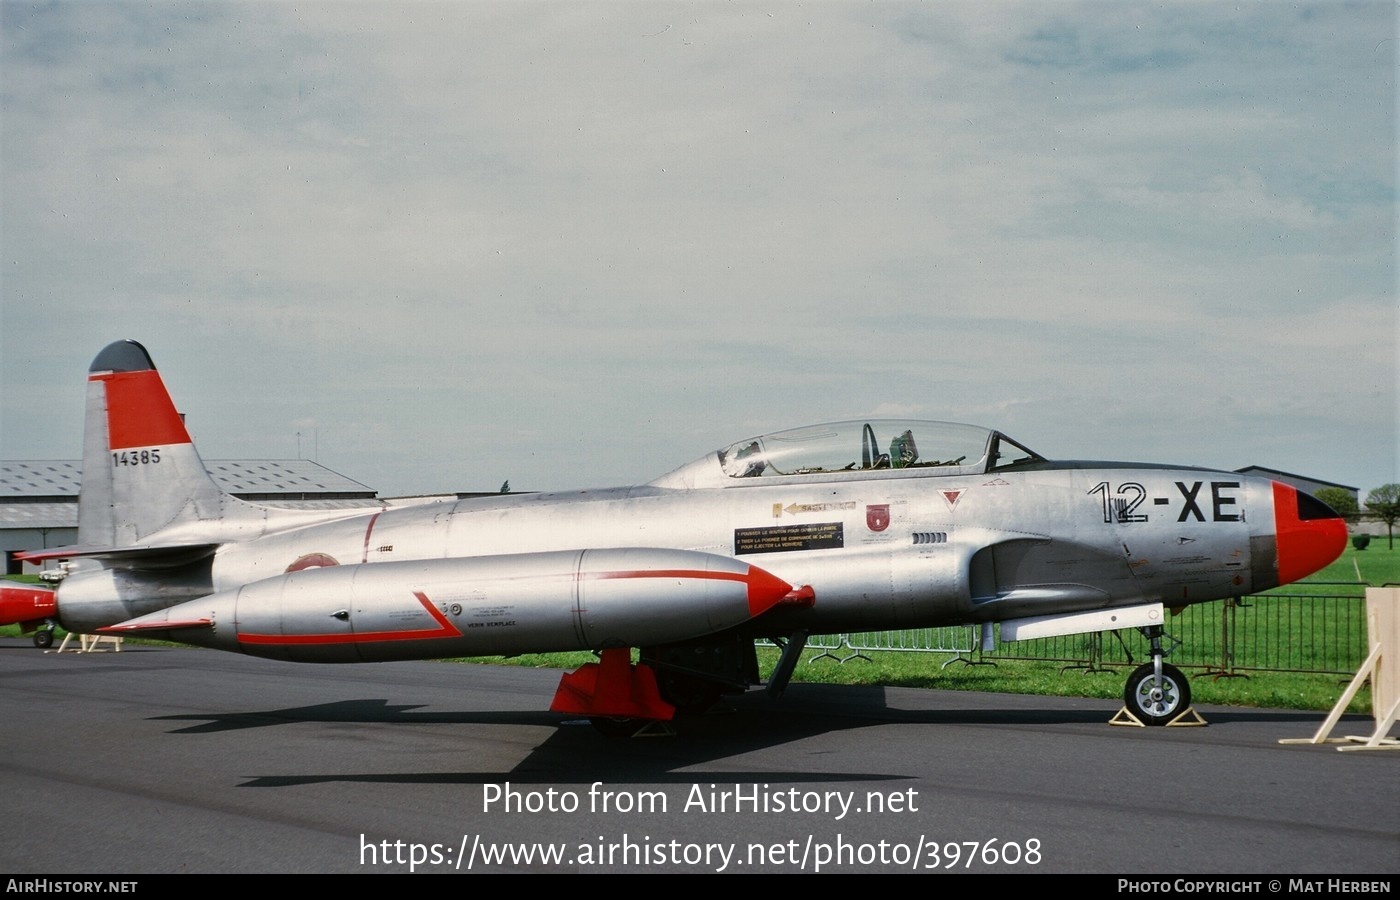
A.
x: 1157, y: 693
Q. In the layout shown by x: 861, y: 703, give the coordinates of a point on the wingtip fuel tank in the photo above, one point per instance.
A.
x: 478, y: 606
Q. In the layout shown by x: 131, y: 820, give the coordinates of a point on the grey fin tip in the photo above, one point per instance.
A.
x: 122, y: 356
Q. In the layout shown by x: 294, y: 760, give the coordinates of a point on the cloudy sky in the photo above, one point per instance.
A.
x: 441, y: 245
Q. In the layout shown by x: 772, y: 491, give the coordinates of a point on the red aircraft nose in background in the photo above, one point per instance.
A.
x: 26, y: 605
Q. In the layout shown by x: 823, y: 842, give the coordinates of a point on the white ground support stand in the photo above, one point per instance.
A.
x: 90, y: 643
x: 1382, y: 667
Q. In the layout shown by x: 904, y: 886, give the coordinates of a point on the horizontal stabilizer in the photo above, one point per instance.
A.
x: 151, y: 554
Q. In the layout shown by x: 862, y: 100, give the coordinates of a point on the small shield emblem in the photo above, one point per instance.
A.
x: 877, y: 518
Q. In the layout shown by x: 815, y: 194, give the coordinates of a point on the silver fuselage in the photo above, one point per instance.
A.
x: 879, y: 550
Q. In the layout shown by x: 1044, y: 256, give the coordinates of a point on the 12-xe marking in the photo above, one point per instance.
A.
x: 1121, y: 506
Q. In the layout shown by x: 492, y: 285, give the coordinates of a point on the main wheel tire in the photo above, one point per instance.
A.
x: 43, y: 638
x: 690, y: 695
x: 1154, y: 704
x: 616, y: 727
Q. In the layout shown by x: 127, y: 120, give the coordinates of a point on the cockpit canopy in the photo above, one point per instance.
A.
x: 937, y: 448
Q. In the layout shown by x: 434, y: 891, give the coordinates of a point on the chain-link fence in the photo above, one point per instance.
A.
x: 1313, y: 627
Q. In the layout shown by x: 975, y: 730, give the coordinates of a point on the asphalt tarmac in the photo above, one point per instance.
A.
x: 164, y: 760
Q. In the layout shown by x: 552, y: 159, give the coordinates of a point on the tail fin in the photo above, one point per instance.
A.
x: 146, y: 498
x: 141, y: 472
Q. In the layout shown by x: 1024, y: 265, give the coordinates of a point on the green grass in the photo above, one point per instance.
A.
x: 1377, y: 565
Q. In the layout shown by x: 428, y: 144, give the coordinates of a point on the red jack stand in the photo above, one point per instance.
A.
x: 612, y: 688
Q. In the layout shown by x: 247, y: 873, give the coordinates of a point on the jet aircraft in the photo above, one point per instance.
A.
x: 31, y: 607
x: 853, y: 526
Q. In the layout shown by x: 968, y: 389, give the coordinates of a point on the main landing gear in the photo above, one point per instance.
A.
x: 620, y: 699
x: 623, y: 699
x: 1157, y: 693
x: 43, y: 638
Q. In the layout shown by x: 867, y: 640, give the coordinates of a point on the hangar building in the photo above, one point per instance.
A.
x: 39, y: 498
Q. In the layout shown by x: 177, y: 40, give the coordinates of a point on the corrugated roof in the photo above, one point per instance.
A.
x: 63, y: 478
x: 290, y: 476
x: 40, y: 478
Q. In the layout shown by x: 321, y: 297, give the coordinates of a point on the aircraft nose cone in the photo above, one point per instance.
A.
x: 1310, y: 533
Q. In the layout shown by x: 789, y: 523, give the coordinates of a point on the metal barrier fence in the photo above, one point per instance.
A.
x: 958, y: 640
x: 1313, y: 628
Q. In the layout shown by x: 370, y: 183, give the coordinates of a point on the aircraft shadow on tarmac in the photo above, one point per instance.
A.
x: 849, y: 706
x: 750, y: 723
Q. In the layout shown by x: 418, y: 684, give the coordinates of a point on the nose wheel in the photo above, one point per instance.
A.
x: 1157, y: 693
x: 1157, y: 697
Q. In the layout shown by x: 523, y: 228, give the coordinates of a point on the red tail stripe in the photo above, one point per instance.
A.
x: 139, y: 411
